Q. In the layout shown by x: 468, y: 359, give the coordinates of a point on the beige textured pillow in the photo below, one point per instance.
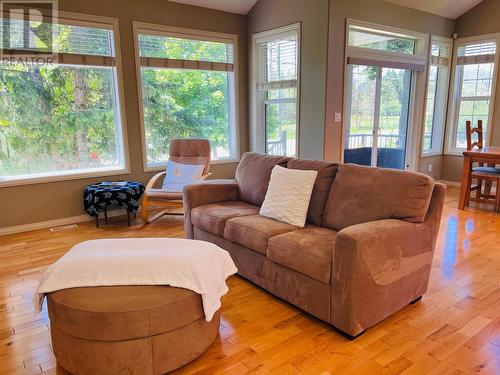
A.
x: 288, y: 195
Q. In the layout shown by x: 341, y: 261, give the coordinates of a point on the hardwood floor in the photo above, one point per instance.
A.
x: 455, y: 329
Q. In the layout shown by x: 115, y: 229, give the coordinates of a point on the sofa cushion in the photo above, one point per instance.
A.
x: 213, y: 217
x: 253, y: 175
x: 326, y: 173
x: 360, y: 194
x: 308, y: 251
x: 254, y: 231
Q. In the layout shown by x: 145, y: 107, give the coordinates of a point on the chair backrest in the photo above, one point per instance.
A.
x: 191, y: 151
x: 470, y: 132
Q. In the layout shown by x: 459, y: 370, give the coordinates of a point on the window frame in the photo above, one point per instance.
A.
x: 437, y: 133
x: 419, y: 57
x: 455, y: 92
x: 180, y: 32
x: 259, y: 99
x: 111, y: 23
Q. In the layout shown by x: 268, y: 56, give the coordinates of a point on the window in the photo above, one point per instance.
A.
x: 378, y: 40
x: 474, y: 88
x: 277, y: 54
x: 187, y: 89
x: 62, y: 118
x: 437, y: 94
x: 384, y: 68
x: 384, y: 40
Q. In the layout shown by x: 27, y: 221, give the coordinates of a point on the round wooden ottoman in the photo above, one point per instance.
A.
x: 128, y: 329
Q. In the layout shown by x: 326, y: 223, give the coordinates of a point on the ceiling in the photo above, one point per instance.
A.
x: 232, y: 6
x: 446, y: 8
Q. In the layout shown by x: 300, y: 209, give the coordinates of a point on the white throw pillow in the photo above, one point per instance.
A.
x: 288, y: 195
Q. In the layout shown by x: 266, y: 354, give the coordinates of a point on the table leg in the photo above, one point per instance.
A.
x: 497, y: 199
x: 97, y: 221
x: 465, y: 184
x: 106, y: 214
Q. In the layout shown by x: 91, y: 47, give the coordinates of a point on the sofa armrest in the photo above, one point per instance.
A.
x: 381, y: 266
x: 206, y: 192
x: 378, y: 267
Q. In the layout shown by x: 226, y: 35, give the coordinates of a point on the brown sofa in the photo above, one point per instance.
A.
x: 365, y: 252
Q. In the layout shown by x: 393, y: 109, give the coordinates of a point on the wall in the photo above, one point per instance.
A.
x: 451, y: 168
x: 313, y: 15
x: 482, y: 19
x: 435, y: 163
x: 376, y: 11
x: 48, y: 201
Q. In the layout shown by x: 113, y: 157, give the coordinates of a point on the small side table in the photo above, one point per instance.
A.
x: 123, y: 194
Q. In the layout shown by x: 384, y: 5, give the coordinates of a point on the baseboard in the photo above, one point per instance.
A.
x: 55, y: 223
x: 450, y: 183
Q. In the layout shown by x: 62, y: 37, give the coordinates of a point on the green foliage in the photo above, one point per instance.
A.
x: 43, y: 126
x: 185, y: 103
x: 394, y: 99
x: 64, y: 117
x: 58, y: 117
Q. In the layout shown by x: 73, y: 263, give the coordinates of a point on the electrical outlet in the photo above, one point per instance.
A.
x: 338, y: 117
x: 430, y: 167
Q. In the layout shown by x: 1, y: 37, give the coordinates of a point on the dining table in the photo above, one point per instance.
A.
x: 487, y: 155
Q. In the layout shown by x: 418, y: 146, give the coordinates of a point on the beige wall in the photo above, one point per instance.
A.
x: 376, y: 11
x: 435, y: 164
x: 313, y: 15
x: 47, y: 201
x: 451, y: 168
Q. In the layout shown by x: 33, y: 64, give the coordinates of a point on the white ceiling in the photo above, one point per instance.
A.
x: 232, y: 6
x: 446, y: 8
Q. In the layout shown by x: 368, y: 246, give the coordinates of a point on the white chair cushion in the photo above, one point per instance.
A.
x: 178, y: 175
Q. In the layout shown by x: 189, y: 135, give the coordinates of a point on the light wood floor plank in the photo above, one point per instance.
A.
x: 455, y: 329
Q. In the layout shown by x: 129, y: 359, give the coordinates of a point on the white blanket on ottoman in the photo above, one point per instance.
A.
x: 196, y: 265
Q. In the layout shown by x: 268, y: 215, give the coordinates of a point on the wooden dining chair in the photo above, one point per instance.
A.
x: 184, y: 151
x: 487, y: 174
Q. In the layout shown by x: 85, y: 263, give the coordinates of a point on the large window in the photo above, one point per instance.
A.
x: 437, y: 95
x: 277, y: 54
x: 384, y: 67
x: 60, y: 118
x: 187, y: 88
x: 474, y: 88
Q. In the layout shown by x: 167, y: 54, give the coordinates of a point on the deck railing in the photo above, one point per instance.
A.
x: 384, y: 141
x: 282, y: 146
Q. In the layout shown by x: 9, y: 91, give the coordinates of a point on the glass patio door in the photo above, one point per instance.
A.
x: 377, y: 116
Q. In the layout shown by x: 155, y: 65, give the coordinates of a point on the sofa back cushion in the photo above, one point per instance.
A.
x: 326, y: 173
x: 361, y: 194
x: 253, y: 175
